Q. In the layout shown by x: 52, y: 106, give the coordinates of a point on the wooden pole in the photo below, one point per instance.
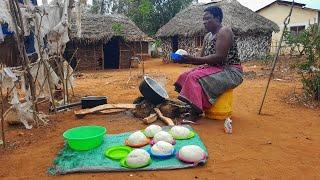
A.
x: 48, y: 73
x: 67, y: 79
x: 285, y: 22
x: 42, y: 62
x: 78, y: 20
x: 19, y: 37
x: 60, y: 71
x: 2, y: 117
x: 142, y: 57
x: 73, y: 70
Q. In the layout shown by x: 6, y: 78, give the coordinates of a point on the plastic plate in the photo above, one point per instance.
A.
x: 117, y: 152
x: 123, y: 163
x: 191, y: 135
x: 137, y: 145
x: 161, y: 156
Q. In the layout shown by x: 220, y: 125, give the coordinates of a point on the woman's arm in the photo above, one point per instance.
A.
x: 202, y: 51
x: 223, y: 44
x: 203, y: 45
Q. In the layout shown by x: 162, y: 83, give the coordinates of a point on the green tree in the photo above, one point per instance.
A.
x: 149, y: 15
x: 100, y: 6
x: 95, y: 8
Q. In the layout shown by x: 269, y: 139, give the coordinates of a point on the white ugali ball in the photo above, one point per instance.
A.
x: 162, y: 148
x: 163, y: 136
x: 137, y: 138
x: 191, y: 153
x: 180, y: 132
x: 151, y: 130
x: 138, y: 157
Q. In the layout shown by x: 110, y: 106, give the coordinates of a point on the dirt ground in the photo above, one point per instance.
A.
x: 283, y: 143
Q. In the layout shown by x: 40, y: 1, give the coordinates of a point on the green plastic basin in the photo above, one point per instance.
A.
x: 84, y: 137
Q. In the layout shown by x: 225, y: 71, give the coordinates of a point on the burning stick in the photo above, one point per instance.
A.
x: 150, y: 119
x: 167, y: 120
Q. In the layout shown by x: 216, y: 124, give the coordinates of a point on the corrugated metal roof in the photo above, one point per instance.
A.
x: 312, y: 4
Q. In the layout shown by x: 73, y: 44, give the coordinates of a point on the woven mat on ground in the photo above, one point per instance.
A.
x: 70, y: 161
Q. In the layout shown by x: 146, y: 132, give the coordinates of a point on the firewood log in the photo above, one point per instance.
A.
x: 150, y: 119
x: 166, y: 120
x: 84, y: 112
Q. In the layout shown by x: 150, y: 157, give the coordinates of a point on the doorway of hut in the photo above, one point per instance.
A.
x: 111, y: 54
x: 175, y: 43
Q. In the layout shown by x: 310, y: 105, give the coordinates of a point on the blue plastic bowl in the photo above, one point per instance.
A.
x: 176, y: 57
x: 161, y: 156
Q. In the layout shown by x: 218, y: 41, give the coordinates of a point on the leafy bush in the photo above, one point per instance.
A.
x: 307, y: 44
x: 117, y: 28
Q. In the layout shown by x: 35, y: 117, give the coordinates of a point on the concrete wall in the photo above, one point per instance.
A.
x: 278, y: 12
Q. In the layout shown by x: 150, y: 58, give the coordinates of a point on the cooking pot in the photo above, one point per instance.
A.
x: 86, y: 102
x: 93, y: 101
x: 153, y: 91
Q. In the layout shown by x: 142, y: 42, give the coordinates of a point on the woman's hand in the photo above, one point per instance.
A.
x: 186, y: 59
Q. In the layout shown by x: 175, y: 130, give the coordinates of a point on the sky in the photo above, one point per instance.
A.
x: 257, y: 4
x: 251, y: 4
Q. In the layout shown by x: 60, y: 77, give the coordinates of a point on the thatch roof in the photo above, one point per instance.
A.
x: 101, y: 28
x: 189, y: 22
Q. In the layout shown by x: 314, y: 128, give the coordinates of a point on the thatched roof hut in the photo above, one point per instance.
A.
x: 106, y: 41
x: 244, y: 22
x: 101, y: 28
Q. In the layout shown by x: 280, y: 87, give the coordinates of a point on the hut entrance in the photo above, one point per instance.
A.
x: 111, y: 54
x: 9, y: 54
x: 175, y: 43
